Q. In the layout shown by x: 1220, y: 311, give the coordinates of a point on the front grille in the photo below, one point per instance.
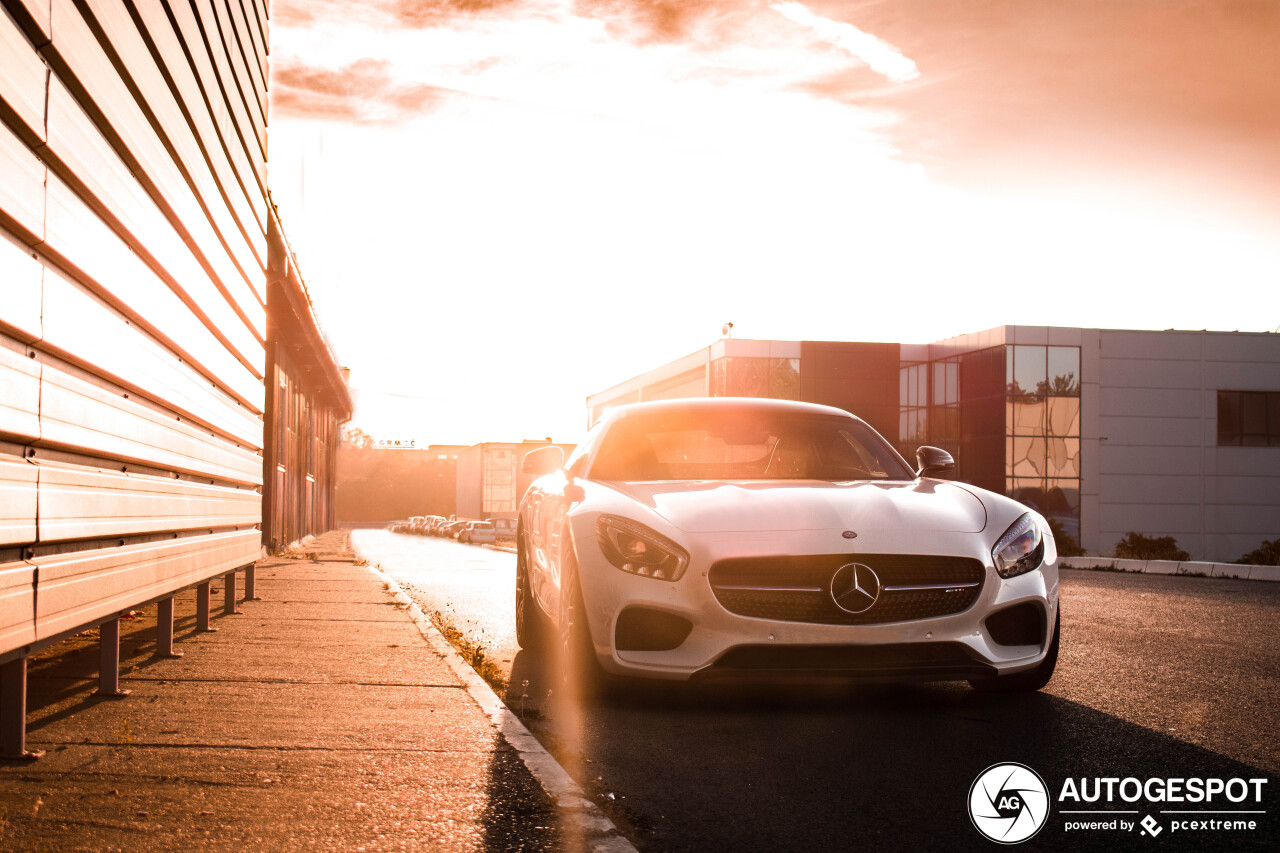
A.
x: 798, y: 589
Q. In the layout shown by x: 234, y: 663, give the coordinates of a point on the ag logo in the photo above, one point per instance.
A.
x: 1008, y: 803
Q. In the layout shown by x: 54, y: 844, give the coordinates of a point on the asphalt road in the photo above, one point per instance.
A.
x: 1159, y: 677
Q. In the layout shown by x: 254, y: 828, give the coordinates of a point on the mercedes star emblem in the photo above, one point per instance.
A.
x: 855, y: 588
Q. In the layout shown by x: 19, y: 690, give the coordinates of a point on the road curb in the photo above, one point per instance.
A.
x: 1233, y: 571
x: 600, y: 833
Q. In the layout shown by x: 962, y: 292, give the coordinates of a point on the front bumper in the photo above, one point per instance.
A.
x: 723, y: 644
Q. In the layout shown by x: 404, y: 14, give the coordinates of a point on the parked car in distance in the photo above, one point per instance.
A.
x: 503, y: 528
x: 474, y: 532
x: 452, y: 529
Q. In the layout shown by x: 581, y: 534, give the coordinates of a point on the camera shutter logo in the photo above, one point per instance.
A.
x: 1008, y: 803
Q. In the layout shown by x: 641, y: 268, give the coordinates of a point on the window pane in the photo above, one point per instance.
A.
x: 1029, y: 492
x: 1028, y: 456
x: 1228, y: 417
x: 720, y: 378
x: 784, y: 379
x: 1029, y: 368
x: 1273, y: 417
x: 1063, y: 457
x: 922, y: 385
x: 1008, y: 369
x: 1064, y: 371
x: 749, y: 377
x: 1026, y: 418
x: 1063, y: 415
x: 1253, y: 412
x: 903, y: 400
x: 904, y: 434
x: 939, y: 383
x: 953, y: 382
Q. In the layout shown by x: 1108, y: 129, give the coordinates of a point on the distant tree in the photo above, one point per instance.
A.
x: 1135, y: 546
x: 1266, y: 554
x: 356, y: 437
x: 1067, y: 544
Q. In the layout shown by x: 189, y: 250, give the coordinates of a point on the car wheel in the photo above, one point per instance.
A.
x: 580, y: 672
x: 531, y: 627
x: 1025, y: 681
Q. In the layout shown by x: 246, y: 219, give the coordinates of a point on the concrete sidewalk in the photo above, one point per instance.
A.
x: 321, y: 716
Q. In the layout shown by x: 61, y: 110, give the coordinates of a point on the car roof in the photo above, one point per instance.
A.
x: 703, y: 404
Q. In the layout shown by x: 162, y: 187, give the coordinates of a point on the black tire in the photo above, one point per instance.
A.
x: 531, y: 626
x: 1033, y: 679
x: 580, y: 672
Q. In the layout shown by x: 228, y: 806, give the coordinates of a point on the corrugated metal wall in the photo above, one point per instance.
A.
x: 133, y: 249
x: 138, y: 257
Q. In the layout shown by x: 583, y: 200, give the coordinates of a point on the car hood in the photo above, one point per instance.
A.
x: 702, y: 507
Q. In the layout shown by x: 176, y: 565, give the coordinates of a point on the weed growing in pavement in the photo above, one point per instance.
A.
x: 472, y: 652
x: 125, y: 734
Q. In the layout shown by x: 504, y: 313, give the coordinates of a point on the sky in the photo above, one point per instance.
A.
x: 502, y: 206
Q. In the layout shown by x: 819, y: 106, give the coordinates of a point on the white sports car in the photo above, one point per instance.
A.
x: 697, y: 538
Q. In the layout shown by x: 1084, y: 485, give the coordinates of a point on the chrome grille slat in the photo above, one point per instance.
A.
x: 797, y: 588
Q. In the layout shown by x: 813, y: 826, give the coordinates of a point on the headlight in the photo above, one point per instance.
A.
x: 635, y: 548
x: 1020, y: 549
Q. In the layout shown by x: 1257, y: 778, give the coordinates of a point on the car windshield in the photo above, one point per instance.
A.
x: 731, y: 444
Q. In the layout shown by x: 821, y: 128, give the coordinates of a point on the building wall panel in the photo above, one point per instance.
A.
x: 1123, y: 373
x: 17, y: 605
x: 21, y: 188
x: 234, y: 75
x: 96, y: 255
x: 21, y: 275
x: 76, y: 413
x: 86, y: 503
x: 19, y: 393
x: 81, y: 588
x: 250, y: 43
x: 108, y: 186
x: 89, y: 73
x: 182, y: 71
x: 17, y: 501
x: 87, y: 332
x: 1151, y: 431
x: 161, y: 102
x: 22, y: 79
x: 229, y: 110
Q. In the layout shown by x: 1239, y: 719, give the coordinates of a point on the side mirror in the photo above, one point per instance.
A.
x: 544, y: 460
x: 934, y: 462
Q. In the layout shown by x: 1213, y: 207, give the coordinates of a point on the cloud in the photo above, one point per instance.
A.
x: 417, y: 14
x: 363, y: 92
x: 881, y: 56
x: 653, y: 20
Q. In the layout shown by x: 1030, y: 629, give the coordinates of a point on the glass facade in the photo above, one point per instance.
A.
x: 1010, y: 415
x: 740, y: 376
x: 1042, y: 431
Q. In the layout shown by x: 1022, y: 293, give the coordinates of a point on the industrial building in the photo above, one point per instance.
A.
x: 1165, y: 433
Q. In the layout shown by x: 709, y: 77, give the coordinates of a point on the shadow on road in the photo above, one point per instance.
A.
x: 833, y: 765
